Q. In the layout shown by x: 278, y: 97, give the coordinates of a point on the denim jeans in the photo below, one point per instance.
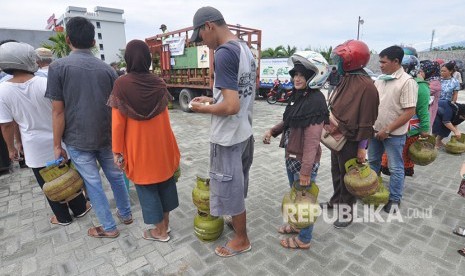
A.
x: 393, y: 147
x: 85, y: 163
x: 305, y: 234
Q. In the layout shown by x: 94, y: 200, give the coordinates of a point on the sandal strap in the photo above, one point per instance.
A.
x: 294, y: 239
x: 99, y: 230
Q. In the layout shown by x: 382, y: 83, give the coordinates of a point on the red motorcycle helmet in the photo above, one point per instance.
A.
x: 440, y: 61
x: 354, y: 54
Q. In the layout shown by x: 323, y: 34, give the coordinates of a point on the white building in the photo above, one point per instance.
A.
x: 110, y: 34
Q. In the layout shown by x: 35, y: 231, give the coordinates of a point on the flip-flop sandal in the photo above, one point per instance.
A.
x: 100, y: 233
x: 296, y: 245
x: 85, y: 212
x: 231, y: 252
x: 148, y: 236
x: 167, y: 230
x: 461, y: 251
x: 52, y: 221
x: 459, y: 231
x: 123, y: 220
x: 287, y: 229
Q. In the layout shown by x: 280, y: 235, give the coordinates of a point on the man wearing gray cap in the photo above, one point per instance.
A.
x: 231, y: 140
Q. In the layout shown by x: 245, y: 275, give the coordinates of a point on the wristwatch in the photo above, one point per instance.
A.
x: 387, y: 132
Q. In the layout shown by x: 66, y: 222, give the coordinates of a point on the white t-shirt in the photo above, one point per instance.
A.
x: 25, y: 104
x: 42, y: 72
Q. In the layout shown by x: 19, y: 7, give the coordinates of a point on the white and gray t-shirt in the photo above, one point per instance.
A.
x: 235, y: 69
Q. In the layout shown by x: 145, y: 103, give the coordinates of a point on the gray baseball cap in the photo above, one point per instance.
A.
x: 203, y: 15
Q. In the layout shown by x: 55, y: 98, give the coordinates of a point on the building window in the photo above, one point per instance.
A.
x: 101, y: 47
x: 99, y: 35
x: 102, y: 57
x: 98, y: 25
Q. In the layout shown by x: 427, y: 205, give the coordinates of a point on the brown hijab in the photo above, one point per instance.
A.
x: 139, y: 95
x: 355, y: 105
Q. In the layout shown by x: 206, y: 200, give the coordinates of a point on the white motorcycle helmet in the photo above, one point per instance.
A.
x: 314, y: 62
x: 18, y: 56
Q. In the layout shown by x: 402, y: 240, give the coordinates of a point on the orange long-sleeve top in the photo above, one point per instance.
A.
x: 149, y: 147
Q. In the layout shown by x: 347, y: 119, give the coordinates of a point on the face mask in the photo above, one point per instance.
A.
x: 385, y: 77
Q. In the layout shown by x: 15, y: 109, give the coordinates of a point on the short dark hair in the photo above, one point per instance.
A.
x: 220, y: 22
x: 392, y: 53
x: 81, y: 32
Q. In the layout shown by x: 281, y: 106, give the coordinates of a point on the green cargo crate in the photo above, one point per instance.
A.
x: 187, y: 60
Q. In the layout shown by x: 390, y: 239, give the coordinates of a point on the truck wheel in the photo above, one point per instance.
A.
x: 185, y: 97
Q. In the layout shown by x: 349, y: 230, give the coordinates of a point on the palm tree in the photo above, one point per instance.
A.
x: 326, y: 53
x: 289, y: 51
x: 273, y: 53
x: 59, y: 47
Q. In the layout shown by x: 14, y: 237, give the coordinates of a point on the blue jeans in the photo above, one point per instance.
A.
x: 291, y: 176
x: 85, y: 162
x: 305, y: 234
x: 393, y: 147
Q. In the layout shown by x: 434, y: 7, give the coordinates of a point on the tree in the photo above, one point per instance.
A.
x: 326, y: 53
x: 122, y: 61
x: 59, y: 47
x: 273, y: 53
x: 451, y: 48
x: 279, y: 51
x: 289, y: 51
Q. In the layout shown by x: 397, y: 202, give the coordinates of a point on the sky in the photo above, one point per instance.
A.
x: 300, y: 23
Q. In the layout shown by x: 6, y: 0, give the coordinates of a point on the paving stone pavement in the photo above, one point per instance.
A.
x: 30, y: 245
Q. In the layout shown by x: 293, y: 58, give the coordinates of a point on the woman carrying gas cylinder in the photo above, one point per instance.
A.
x: 354, y: 108
x: 301, y: 128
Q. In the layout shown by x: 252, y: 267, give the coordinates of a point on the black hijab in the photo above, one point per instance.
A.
x: 306, y: 107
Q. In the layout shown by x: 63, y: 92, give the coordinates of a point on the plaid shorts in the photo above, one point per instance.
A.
x: 294, y: 166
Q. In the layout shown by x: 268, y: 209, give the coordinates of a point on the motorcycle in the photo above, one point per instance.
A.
x: 278, y: 94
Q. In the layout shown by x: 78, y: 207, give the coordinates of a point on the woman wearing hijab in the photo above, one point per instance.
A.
x: 144, y: 145
x: 430, y: 72
x: 301, y: 128
x: 354, y: 105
